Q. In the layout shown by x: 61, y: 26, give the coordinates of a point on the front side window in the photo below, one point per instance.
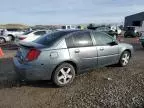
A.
x: 102, y: 38
x: 82, y: 39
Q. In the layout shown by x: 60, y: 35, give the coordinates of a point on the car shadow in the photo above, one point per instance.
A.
x: 38, y: 84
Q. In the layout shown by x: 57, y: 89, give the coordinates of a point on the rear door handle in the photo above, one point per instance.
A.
x: 77, y: 51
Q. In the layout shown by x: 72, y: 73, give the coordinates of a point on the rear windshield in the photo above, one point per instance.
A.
x: 51, y: 38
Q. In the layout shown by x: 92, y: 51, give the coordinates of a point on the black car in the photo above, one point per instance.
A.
x: 130, y: 32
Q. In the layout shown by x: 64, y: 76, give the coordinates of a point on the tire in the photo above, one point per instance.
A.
x: 63, y: 75
x: 124, y: 60
x: 2, y: 40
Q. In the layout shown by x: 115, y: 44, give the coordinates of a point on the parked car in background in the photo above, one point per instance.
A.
x: 12, y: 33
x: 67, y: 27
x: 142, y: 40
x: 131, y: 32
x: 4, y: 39
x: 107, y: 30
x: 115, y: 29
x: 32, y: 35
x: 60, y: 55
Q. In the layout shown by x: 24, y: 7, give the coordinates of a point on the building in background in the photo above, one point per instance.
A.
x: 136, y: 21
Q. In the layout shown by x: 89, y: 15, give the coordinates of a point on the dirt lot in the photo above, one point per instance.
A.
x: 114, y: 87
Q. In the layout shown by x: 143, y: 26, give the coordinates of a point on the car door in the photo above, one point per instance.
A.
x: 81, y: 49
x: 107, y: 53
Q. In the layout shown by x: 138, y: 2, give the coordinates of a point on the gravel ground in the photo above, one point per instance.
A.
x: 109, y: 87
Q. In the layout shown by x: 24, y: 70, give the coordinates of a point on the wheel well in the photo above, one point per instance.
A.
x: 10, y: 35
x: 13, y: 37
x: 128, y: 51
x: 70, y: 62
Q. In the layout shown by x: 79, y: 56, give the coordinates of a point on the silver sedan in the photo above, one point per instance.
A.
x: 61, y: 55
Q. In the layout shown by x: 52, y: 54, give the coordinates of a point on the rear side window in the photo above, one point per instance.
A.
x: 50, y: 38
x: 79, y: 39
x: 69, y: 42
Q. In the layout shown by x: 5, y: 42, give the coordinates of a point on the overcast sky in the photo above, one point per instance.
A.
x: 67, y: 11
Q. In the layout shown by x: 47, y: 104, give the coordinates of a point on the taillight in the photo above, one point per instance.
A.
x: 22, y: 38
x: 33, y: 54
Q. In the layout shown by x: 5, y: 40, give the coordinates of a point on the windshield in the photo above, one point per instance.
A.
x: 130, y: 28
x: 63, y: 27
x: 103, y: 29
x: 51, y: 38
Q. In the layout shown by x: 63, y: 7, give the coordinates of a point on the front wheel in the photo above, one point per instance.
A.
x: 64, y: 74
x: 125, y: 57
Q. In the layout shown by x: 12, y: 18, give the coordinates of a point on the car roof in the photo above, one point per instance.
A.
x: 74, y: 31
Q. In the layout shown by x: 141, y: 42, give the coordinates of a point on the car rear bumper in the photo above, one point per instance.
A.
x: 29, y: 72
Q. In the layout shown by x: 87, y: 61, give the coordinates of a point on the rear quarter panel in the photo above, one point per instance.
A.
x: 52, y: 57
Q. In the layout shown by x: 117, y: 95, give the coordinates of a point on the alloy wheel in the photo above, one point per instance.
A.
x: 125, y: 59
x: 65, y: 75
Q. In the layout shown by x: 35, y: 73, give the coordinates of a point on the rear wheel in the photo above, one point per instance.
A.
x: 64, y: 74
x: 2, y: 40
x: 125, y: 57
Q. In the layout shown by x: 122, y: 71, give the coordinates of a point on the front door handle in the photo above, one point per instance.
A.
x: 101, y: 49
x: 77, y: 51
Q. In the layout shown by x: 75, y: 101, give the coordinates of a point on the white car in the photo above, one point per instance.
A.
x: 12, y: 33
x: 32, y: 35
x: 4, y: 39
x: 116, y: 28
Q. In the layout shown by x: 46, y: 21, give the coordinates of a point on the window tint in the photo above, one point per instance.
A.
x: 40, y: 33
x: 102, y: 38
x: 69, y: 42
x: 82, y: 39
x: 51, y: 38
